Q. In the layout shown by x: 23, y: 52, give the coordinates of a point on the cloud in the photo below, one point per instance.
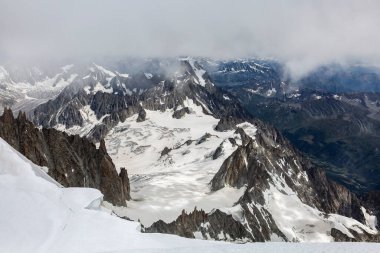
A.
x: 302, y: 34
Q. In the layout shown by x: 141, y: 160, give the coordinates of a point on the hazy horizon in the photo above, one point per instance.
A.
x: 300, y: 34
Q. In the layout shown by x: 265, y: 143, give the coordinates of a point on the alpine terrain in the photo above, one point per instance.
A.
x: 168, y: 145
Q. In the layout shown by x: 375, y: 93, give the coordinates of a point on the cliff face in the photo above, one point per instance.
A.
x: 71, y: 160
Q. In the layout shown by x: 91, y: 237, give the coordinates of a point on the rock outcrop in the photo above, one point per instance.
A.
x: 73, y: 161
x: 216, y: 225
x: 180, y: 113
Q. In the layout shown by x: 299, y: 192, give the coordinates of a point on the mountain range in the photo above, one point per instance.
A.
x: 221, y: 150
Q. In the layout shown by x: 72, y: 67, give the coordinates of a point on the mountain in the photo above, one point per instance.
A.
x: 199, y: 164
x: 341, y: 130
x: 95, y: 103
x: 332, y: 115
x: 285, y: 198
x: 71, y: 160
x: 47, y: 217
x: 25, y: 87
x: 343, y: 79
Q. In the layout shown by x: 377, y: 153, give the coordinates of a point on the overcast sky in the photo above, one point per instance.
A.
x: 302, y: 34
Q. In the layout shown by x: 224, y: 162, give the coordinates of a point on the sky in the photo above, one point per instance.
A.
x: 301, y: 34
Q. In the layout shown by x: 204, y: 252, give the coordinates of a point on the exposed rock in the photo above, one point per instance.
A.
x: 165, y: 151
x: 244, y: 137
x: 358, y: 237
x: 203, y: 138
x: 372, y: 204
x: 233, y: 171
x: 228, y: 123
x: 334, y: 198
x: 72, y: 161
x: 218, y: 152
x: 125, y: 182
x: 216, y: 225
x: 142, y: 115
x: 180, y: 113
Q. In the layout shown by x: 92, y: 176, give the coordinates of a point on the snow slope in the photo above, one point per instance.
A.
x: 37, y: 215
x: 162, y: 186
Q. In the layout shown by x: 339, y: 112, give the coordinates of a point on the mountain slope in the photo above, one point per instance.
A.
x: 72, y: 220
x: 70, y: 160
x: 332, y: 114
x: 95, y: 103
x: 181, y: 132
x: 285, y: 198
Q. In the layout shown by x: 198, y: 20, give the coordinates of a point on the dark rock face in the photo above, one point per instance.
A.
x: 142, y: 116
x: 125, y: 183
x: 180, y: 113
x: 372, y: 204
x: 165, y: 151
x: 218, y: 152
x: 203, y: 138
x: 333, y: 197
x: 215, y: 225
x: 72, y: 161
x: 363, y: 237
x: 227, y: 123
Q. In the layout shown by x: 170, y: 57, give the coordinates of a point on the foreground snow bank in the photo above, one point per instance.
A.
x: 37, y: 215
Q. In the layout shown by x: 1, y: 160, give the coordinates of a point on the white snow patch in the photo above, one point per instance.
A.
x: 148, y: 75
x: 105, y: 71
x: 371, y: 220
x: 271, y: 92
x: 123, y: 75
x: 226, y: 97
x: 89, y: 122
x: 101, y: 88
x: 302, y: 223
x: 199, y: 72
x: 249, y: 129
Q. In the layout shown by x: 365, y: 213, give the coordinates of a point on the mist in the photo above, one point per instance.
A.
x: 300, y: 34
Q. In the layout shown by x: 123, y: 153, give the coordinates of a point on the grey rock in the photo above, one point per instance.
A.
x: 142, y: 116
x: 216, y: 225
x: 73, y: 161
x: 180, y: 113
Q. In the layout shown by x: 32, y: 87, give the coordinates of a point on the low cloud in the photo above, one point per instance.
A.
x: 301, y: 34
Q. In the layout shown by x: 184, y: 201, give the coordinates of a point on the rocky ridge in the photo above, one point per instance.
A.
x: 272, y: 169
x: 95, y: 103
x: 72, y: 161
